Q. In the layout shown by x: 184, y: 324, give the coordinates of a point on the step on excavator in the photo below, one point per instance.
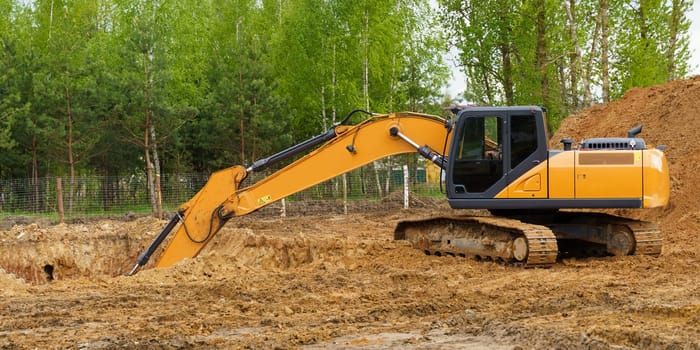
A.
x: 493, y: 158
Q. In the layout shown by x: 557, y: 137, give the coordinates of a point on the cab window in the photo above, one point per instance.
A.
x: 523, y: 138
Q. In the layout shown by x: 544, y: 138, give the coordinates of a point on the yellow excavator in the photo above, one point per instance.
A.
x: 493, y: 158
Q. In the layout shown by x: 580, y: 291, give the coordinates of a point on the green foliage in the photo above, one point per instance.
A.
x: 643, y: 42
x: 346, y: 55
x: 549, y: 52
x: 87, y: 86
x: 8, y: 105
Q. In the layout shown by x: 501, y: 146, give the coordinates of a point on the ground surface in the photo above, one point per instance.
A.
x: 342, y: 282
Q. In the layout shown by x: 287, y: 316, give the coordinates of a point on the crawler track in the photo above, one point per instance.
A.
x: 647, y: 238
x: 531, y: 240
x: 494, y: 238
x: 600, y: 234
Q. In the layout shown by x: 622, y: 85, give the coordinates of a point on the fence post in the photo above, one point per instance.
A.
x: 59, y: 198
x: 405, y: 186
x: 345, y: 194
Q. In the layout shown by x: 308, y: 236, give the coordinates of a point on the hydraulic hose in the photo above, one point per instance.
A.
x: 146, y: 255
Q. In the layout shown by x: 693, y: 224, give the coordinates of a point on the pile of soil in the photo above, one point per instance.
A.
x: 326, y: 280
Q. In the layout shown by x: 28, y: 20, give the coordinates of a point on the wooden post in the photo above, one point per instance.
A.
x: 160, y: 197
x: 345, y: 194
x: 59, y: 199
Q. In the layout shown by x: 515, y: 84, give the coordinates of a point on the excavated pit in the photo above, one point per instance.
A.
x: 38, y: 253
x: 34, y: 251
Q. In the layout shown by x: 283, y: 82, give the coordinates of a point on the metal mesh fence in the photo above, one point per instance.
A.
x: 367, y: 188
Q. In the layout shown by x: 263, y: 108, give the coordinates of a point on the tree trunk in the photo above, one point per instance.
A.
x: 333, y: 83
x: 241, y: 115
x: 377, y: 179
x: 565, y: 90
x: 541, y: 51
x: 365, y: 91
x: 643, y: 25
x: 507, y: 73
x: 392, y: 83
x: 604, y: 68
x: 241, y: 112
x: 50, y: 20
x: 156, y: 162
x: 574, y: 56
x: 365, y: 80
x: 146, y: 137
x: 324, y: 122
x: 676, y: 13
x: 587, y: 96
x: 487, y: 87
x: 71, y: 161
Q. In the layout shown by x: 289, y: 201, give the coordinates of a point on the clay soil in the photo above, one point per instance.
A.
x: 336, y: 281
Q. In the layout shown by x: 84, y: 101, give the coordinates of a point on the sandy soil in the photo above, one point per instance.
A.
x: 339, y: 282
x: 335, y: 281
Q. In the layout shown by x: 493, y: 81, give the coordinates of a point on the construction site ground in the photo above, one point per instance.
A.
x: 334, y: 281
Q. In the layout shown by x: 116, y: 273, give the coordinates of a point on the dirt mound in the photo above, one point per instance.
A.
x: 669, y: 115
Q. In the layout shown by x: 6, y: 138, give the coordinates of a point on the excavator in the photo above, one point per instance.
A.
x: 494, y: 158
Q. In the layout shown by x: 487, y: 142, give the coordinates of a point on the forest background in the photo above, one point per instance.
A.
x: 140, y: 88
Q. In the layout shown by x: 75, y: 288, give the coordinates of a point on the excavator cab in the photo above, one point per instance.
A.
x: 491, y: 147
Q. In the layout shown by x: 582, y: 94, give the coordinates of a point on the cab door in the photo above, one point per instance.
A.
x: 477, y: 162
x: 527, y: 168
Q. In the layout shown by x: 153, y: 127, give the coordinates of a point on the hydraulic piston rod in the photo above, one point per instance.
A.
x: 425, y: 151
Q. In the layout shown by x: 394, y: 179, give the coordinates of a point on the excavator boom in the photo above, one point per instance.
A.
x: 344, y: 148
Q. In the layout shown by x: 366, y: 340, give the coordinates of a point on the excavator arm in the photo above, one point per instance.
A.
x: 343, y: 148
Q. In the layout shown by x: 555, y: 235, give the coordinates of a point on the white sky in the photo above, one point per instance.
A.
x: 457, y: 85
x: 695, y: 38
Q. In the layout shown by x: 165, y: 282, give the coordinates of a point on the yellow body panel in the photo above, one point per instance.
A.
x: 608, y: 174
x: 657, y: 184
x: 561, y: 175
x: 638, y: 174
